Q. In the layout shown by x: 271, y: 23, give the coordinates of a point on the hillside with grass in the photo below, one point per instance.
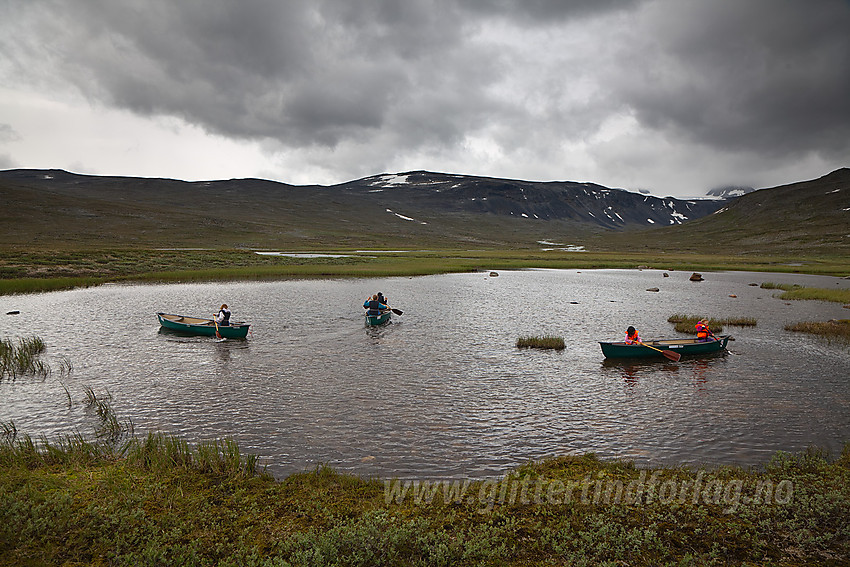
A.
x: 54, y: 208
x: 810, y: 218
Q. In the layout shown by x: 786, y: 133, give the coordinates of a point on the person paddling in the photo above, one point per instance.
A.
x: 373, y: 306
x: 632, y: 337
x: 223, y: 316
x: 703, y: 332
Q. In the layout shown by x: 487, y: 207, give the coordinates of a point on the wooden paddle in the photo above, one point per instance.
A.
x: 217, y: 334
x: 397, y: 311
x: 674, y: 356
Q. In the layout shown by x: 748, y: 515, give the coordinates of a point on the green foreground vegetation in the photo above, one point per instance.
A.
x: 29, y: 271
x: 158, y: 501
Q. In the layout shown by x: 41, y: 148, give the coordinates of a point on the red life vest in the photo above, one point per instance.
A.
x: 702, y: 330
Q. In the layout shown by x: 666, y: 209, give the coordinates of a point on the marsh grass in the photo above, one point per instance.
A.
x: 833, y: 330
x: 114, y: 441
x: 109, y: 429
x: 684, y: 323
x: 819, y: 294
x: 783, y: 287
x: 37, y: 270
x: 798, y: 292
x: 8, y: 431
x: 542, y: 342
x: 38, y: 285
x: 22, y: 358
x: 165, y: 453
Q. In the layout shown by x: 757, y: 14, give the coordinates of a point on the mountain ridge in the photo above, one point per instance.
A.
x: 414, y: 208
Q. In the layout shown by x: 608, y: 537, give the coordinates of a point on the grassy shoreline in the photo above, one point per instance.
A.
x: 159, y: 501
x: 38, y: 271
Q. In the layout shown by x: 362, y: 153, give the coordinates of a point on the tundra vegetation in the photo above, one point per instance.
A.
x: 158, y: 500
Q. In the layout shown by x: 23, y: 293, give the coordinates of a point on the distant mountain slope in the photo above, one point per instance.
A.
x: 730, y: 191
x: 810, y: 217
x: 44, y: 207
x: 558, y: 200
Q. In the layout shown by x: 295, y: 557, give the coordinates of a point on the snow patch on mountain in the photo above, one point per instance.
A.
x: 403, y: 217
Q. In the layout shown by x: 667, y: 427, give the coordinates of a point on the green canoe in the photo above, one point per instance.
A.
x: 685, y: 347
x: 373, y: 320
x: 203, y: 327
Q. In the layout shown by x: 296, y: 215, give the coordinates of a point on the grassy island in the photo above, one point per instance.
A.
x: 542, y: 342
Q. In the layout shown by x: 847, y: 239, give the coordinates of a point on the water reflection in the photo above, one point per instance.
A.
x: 441, y: 391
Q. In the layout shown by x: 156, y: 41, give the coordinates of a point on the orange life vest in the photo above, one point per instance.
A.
x: 702, y: 330
x: 632, y: 339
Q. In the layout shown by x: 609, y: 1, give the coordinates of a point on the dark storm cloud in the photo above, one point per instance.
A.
x: 299, y: 72
x: 766, y: 76
x: 364, y: 84
x: 545, y: 11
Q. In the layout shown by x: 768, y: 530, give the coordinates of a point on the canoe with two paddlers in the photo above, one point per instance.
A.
x: 202, y: 327
x: 657, y: 348
x: 378, y: 318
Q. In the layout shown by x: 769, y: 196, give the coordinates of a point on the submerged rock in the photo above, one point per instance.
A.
x: 695, y: 277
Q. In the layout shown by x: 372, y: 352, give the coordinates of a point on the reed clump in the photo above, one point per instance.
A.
x: 542, y: 342
x: 684, y: 323
x: 114, y: 441
x: 838, y: 329
x: 783, y: 287
x: 22, y: 358
x: 109, y: 429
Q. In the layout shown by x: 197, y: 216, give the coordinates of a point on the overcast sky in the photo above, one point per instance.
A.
x: 673, y: 96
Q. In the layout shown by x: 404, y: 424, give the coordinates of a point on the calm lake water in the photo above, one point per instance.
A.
x: 442, y: 392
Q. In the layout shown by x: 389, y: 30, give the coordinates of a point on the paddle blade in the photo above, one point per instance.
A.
x: 674, y: 356
x: 397, y: 311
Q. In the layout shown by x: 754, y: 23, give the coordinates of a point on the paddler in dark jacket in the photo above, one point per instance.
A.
x: 223, y: 316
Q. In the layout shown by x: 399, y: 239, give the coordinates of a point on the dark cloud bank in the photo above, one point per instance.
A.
x: 769, y: 78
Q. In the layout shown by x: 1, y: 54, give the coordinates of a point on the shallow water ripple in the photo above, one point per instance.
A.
x: 442, y: 392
